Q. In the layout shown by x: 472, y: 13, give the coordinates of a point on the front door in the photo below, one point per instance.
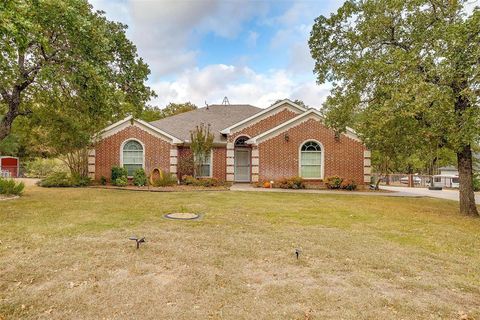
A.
x: 242, y: 165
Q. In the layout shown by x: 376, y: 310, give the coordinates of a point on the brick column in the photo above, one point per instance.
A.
x: 230, y: 162
x: 91, y: 164
x: 173, y: 160
x: 255, y: 163
x: 367, y: 166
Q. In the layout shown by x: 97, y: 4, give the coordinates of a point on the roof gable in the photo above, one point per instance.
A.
x: 263, y: 114
x: 310, y: 114
x: 122, y: 124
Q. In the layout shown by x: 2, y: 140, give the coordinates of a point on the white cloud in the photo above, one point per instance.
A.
x: 239, y: 84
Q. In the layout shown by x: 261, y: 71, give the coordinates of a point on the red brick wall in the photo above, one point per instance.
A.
x: 107, y: 151
x: 219, y: 170
x: 280, y: 158
x: 264, y: 124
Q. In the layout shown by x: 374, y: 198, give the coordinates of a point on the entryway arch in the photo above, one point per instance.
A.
x: 243, y: 156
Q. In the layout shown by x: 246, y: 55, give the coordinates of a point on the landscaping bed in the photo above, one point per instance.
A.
x: 176, y: 188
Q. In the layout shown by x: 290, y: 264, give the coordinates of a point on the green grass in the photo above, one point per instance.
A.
x: 64, y: 253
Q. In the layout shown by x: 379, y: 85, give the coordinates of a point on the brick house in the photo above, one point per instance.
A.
x: 250, y: 145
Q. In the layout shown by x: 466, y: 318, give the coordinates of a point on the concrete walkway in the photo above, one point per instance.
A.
x: 424, y: 192
x: 249, y: 188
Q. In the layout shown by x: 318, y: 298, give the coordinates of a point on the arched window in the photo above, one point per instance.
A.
x: 132, y: 156
x: 311, y: 160
x: 241, y: 142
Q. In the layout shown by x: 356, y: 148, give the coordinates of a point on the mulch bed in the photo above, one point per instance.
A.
x: 177, y: 188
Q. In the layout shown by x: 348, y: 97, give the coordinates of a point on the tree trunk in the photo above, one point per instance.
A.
x: 465, y: 174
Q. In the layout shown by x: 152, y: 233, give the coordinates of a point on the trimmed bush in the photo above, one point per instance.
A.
x: 139, y: 178
x: 121, y: 181
x: 348, y: 184
x: 290, y: 183
x: 203, y: 182
x: 118, y: 172
x: 164, y: 179
x: 79, y: 181
x: 333, y: 182
x: 10, y: 187
x: 103, y: 181
x: 56, y: 179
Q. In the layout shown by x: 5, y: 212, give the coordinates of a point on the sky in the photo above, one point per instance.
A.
x: 253, y: 52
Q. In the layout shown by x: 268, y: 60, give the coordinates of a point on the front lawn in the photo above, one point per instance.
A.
x: 65, y: 254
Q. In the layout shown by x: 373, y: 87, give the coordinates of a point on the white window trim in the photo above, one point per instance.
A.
x: 121, y: 152
x: 211, y: 166
x: 322, y: 160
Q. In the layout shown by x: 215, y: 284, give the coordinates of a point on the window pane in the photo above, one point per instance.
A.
x: 205, y: 170
x: 311, y: 164
x: 311, y: 171
x: 311, y: 158
x: 131, y: 168
x: 132, y: 156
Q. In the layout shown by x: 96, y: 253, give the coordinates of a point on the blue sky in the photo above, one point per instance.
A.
x: 253, y: 52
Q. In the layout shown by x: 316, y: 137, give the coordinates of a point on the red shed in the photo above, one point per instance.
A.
x: 9, y: 166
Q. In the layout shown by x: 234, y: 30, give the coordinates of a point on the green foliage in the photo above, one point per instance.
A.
x: 63, y: 179
x: 290, y: 183
x: 139, y: 177
x: 118, y: 172
x: 103, y: 181
x: 201, y: 142
x: 80, y: 181
x: 476, y: 182
x: 10, y: 187
x: 121, y: 181
x: 348, y: 184
x: 69, y: 69
x: 203, y: 182
x: 40, y: 167
x: 56, y: 179
x: 333, y: 182
x: 154, y: 113
x: 165, y: 179
x: 404, y: 74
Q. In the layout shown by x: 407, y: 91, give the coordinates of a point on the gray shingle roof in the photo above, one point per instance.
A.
x: 218, y: 116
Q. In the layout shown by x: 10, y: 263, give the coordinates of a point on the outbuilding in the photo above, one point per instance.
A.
x: 9, y: 166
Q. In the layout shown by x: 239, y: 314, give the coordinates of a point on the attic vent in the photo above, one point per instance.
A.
x: 225, y: 101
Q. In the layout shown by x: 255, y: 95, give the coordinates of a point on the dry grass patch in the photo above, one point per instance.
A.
x: 65, y: 254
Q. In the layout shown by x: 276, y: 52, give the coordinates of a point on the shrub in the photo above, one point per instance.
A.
x: 290, y: 183
x: 139, y: 178
x: 56, y: 179
x: 103, y: 181
x: 9, y: 187
x: 333, y: 182
x: 118, y: 172
x: 164, y: 179
x: 121, y: 181
x: 202, y: 182
x: 80, y: 181
x: 348, y: 184
x: 40, y: 168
